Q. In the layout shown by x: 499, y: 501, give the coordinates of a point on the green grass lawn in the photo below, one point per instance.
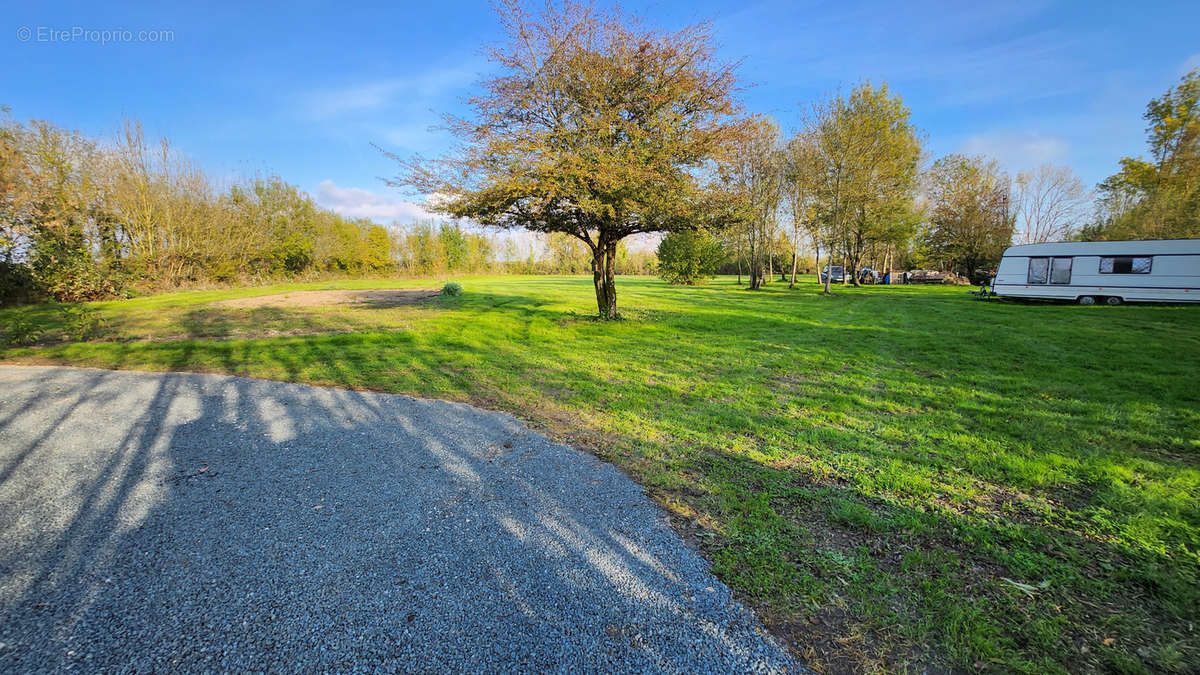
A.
x: 892, y: 476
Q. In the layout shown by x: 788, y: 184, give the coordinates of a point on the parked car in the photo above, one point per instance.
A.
x: 839, y: 274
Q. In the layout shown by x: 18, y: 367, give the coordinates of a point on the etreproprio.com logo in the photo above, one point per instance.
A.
x: 102, y: 36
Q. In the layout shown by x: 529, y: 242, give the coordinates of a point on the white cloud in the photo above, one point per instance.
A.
x: 1018, y: 151
x: 333, y: 102
x: 405, y: 92
x: 355, y: 202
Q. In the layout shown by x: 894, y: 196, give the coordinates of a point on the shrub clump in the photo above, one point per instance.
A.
x: 689, y: 258
x: 452, y: 289
x: 82, y: 323
x: 19, y: 329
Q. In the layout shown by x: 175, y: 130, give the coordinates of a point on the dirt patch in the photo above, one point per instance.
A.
x: 383, y: 297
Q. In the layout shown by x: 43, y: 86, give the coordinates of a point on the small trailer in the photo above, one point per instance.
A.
x: 1112, y: 272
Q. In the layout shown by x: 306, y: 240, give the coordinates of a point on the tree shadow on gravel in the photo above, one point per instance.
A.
x: 185, y: 522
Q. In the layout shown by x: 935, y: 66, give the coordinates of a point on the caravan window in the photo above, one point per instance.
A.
x: 1060, y: 271
x: 1125, y: 265
x: 1038, y: 268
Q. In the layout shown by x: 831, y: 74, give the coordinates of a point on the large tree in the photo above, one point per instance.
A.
x: 1159, y: 197
x: 870, y: 152
x: 756, y: 175
x: 802, y: 176
x: 597, y: 127
x: 1049, y: 203
x: 970, y: 217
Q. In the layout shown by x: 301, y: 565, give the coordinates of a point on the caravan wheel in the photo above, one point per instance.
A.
x: 1087, y: 300
x: 1114, y: 301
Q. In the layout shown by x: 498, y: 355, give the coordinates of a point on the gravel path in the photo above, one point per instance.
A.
x: 194, y: 522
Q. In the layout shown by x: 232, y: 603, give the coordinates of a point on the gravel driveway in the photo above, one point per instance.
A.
x: 194, y: 522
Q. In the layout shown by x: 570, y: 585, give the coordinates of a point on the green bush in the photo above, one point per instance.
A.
x: 70, y: 274
x: 689, y: 258
x: 16, y: 284
x: 82, y: 323
x: 20, y: 329
x: 452, y: 289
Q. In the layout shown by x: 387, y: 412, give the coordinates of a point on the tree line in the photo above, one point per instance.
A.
x: 432, y: 249
x: 85, y: 219
x: 850, y: 186
x: 82, y: 219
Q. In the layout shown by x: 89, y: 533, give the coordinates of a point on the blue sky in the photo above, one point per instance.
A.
x: 303, y: 89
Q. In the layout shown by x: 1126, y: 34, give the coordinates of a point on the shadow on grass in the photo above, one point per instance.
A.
x: 217, y: 322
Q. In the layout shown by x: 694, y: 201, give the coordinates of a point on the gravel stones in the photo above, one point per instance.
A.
x: 185, y: 522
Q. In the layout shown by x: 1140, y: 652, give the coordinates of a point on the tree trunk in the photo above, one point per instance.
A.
x: 817, y: 258
x: 795, y: 260
x: 603, y: 279
x: 609, y: 311
x: 855, y: 259
x: 755, y: 264
x: 829, y: 264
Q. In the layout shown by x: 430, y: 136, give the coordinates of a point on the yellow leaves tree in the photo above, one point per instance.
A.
x: 596, y: 127
x: 971, y: 216
x: 801, y: 182
x: 870, y: 154
x: 756, y: 174
x: 1158, y: 198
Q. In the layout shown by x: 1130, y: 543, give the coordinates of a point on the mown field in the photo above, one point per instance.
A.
x: 895, y: 477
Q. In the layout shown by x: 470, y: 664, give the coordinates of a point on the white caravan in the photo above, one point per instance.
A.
x: 1087, y: 272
